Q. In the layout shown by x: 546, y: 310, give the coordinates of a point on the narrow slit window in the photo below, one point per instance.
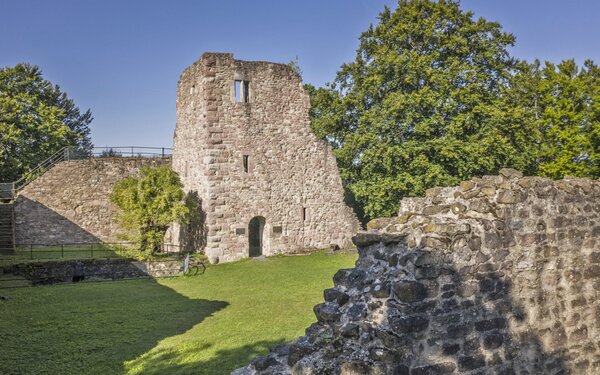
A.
x: 246, y: 91
x: 238, y: 91
x: 303, y: 213
x: 242, y: 91
x: 246, y: 163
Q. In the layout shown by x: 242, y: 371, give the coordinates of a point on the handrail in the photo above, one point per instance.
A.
x: 9, y: 190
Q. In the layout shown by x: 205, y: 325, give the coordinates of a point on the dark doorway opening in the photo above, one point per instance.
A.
x: 256, y: 229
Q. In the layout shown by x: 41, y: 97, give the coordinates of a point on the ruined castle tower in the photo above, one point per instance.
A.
x: 243, y: 147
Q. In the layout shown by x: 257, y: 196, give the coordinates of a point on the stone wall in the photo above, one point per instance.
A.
x: 498, y: 276
x: 61, y: 271
x: 290, y: 179
x: 70, y: 202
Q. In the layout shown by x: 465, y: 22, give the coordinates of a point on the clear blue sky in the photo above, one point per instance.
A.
x: 122, y: 59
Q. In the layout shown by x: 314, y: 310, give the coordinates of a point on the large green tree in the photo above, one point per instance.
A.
x: 421, y: 105
x: 149, y: 204
x: 36, y: 120
x: 562, y: 105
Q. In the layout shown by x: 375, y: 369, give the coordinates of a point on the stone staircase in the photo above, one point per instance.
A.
x: 7, y: 231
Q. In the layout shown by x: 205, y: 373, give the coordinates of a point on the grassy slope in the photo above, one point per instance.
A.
x: 207, y: 324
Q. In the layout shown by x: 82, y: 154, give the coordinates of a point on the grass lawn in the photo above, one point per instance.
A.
x: 207, y: 324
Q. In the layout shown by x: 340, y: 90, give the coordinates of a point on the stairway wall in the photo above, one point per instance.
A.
x: 70, y: 202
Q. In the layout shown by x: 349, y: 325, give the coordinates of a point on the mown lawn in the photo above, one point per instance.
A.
x: 208, y: 324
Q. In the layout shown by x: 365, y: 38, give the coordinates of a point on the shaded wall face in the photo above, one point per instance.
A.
x: 257, y: 158
x: 498, y: 276
x: 70, y: 202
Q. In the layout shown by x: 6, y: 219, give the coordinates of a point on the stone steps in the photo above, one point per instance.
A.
x: 8, y: 280
x: 7, y: 233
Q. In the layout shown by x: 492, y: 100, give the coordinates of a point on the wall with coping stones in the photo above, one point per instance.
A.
x: 500, y: 275
x: 289, y: 167
x: 61, y: 271
x: 70, y: 202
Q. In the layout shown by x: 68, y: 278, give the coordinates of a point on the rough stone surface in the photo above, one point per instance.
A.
x: 70, y: 202
x: 292, y: 181
x: 507, y: 283
x: 60, y: 271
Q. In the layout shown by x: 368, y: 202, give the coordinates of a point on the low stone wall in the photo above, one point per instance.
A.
x: 166, y: 268
x: 70, y: 202
x: 498, y: 276
x: 52, y: 272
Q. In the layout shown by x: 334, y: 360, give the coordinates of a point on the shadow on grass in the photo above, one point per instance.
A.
x: 92, y: 328
x: 222, y: 362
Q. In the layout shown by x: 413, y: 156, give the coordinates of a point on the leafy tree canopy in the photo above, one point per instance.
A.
x: 36, y: 120
x: 149, y: 204
x: 561, y: 105
x: 429, y: 101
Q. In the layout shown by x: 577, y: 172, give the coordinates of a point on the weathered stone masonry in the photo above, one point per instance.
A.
x: 498, y: 276
x: 243, y: 146
x: 70, y: 202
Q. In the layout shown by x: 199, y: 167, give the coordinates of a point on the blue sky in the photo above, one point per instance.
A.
x: 122, y: 59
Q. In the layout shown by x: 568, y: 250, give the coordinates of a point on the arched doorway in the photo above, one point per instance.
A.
x: 256, y: 228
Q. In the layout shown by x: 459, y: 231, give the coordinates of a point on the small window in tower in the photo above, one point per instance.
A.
x: 303, y: 213
x: 238, y: 91
x: 242, y: 91
x: 246, y: 91
x: 246, y: 163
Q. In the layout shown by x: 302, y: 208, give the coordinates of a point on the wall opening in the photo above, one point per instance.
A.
x: 242, y: 91
x: 246, y: 91
x: 303, y: 213
x: 256, y: 228
x: 246, y: 163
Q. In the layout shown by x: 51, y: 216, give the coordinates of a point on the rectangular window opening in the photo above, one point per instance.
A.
x: 242, y: 91
x: 246, y: 91
x: 238, y: 91
x: 246, y: 163
x: 303, y: 213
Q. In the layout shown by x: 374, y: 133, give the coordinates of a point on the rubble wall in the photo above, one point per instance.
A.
x: 70, y: 202
x: 500, y: 275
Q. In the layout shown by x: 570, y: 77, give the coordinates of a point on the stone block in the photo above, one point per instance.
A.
x: 410, y: 291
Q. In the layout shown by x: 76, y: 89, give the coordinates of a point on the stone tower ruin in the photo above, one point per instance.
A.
x: 262, y: 182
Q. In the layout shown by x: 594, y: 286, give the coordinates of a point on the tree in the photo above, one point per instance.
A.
x: 562, y: 103
x: 36, y: 120
x: 149, y: 204
x: 423, y: 104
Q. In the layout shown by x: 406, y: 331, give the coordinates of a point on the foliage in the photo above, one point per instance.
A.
x: 433, y: 97
x: 209, y: 324
x: 36, y: 120
x: 420, y: 106
x: 149, y: 204
x: 110, y: 153
x: 295, y: 66
x: 561, y: 106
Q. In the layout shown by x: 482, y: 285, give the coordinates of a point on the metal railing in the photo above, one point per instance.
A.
x: 9, y: 190
x: 87, y: 250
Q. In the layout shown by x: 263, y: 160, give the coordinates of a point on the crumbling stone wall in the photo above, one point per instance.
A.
x: 61, y: 271
x: 291, y: 181
x: 500, y: 275
x: 70, y: 202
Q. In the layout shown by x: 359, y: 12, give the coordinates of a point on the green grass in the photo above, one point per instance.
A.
x: 208, y: 324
